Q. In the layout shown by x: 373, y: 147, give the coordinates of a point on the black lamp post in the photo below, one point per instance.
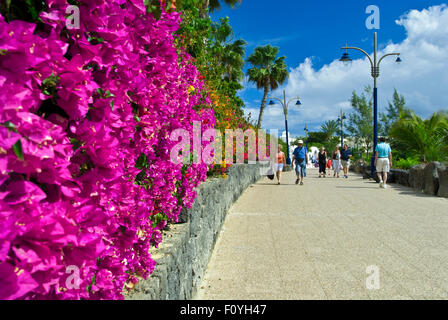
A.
x: 375, y: 72
x: 306, y: 133
x: 285, y: 111
x: 341, y: 119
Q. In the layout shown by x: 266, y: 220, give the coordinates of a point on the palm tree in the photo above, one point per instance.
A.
x: 228, y: 54
x: 233, y: 61
x: 268, y: 72
x: 214, y: 5
x: 427, y: 139
x: 329, y: 127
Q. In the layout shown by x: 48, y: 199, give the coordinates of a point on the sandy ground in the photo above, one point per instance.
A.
x: 330, y: 239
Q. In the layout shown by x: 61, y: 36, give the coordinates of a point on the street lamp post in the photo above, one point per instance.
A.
x: 375, y: 72
x: 341, y: 119
x: 306, y: 134
x: 285, y: 111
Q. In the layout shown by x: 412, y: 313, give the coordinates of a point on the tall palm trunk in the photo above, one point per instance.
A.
x: 263, y: 105
x: 204, y: 12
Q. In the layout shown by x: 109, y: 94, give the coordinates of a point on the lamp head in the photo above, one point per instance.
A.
x: 272, y: 102
x: 398, y: 59
x: 346, y: 58
x: 298, y: 103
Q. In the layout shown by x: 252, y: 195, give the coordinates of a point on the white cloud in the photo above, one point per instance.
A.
x: 422, y: 77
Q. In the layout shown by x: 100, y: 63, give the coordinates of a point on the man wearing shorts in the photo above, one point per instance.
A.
x: 383, y: 161
x: 300, y: 158
x: 345, y: 159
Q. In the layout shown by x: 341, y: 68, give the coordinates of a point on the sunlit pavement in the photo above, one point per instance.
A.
x: 330, y: 239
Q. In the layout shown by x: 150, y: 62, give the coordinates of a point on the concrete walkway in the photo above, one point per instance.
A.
x: 330, y: 239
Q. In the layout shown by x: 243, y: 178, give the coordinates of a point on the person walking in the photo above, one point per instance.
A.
x: 322, y: 162
x: 329, y: 165
x: 346, y: 154
x: 383, y: 161
x: 280, y: 163
x: 336, y: 162
x: 300, y: 158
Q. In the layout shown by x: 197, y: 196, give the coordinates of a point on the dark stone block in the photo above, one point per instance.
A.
x: 416, y: 177
x: 442, y: 172
x: 431, y: 177
x: 401, y: 176
x: 392, y: 176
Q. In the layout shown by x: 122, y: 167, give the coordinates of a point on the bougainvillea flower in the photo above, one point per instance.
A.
x: 86, y: 179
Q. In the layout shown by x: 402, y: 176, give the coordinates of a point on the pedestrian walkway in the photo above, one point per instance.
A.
x: 317, y: 241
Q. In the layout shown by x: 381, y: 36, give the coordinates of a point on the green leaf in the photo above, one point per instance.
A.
x: 141, y: 162
x: 153, y: 6
x: 49, y: 85
x: 10, y: 126
x: 17, y: 147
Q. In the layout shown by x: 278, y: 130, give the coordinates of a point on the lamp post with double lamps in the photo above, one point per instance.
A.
x: 285, y: 111
x: 341, y: 119
x: 375, y: 72
x: 306, y: 134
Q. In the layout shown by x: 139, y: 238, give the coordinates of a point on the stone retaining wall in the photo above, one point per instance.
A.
x: 184, y: 253
x: 430, y: 178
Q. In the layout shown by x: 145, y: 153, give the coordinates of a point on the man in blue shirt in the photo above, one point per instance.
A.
x: 345, y: 159
x: 300, y: 158
x: 383, y: 161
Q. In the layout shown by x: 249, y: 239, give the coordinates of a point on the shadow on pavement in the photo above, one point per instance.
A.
x: 273, y: 184
x: 409, y: 191
x: 417, y: 194
x: 344, y: 187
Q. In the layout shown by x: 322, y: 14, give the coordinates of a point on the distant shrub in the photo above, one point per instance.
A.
x: 405, y: 163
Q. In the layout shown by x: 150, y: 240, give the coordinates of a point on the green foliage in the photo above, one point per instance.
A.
x: 317, y: 137
x: 217, y: 54
x: 27, y: 10
x: 405, y: 163
x: 330, y: 128
x: 268, y: 72
x: 17, y: 147
x: 360, y: 121
x: 425, y: 139
x: 49, y: 85
x: 154, y: 6
x: 393, y: 111
x: 215, y: 5
x: 331, y: 144
x: 194, y: 33
x: 228, y: 52
x: 158, y: 218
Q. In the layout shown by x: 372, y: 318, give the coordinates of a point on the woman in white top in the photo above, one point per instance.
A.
x: 336, y: 161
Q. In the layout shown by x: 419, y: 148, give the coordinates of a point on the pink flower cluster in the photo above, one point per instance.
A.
x: 85, y: 173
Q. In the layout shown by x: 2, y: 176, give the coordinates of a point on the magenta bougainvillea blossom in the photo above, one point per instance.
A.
x: 86, y: 180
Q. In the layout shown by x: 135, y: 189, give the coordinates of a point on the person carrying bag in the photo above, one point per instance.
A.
x: 300, y: 157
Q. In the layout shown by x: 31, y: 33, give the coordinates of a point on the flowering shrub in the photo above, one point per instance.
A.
x: 85, y: 173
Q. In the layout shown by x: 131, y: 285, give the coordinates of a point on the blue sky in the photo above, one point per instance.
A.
x: 310, y: 34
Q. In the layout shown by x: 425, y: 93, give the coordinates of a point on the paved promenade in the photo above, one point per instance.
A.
x: 330, y: 239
